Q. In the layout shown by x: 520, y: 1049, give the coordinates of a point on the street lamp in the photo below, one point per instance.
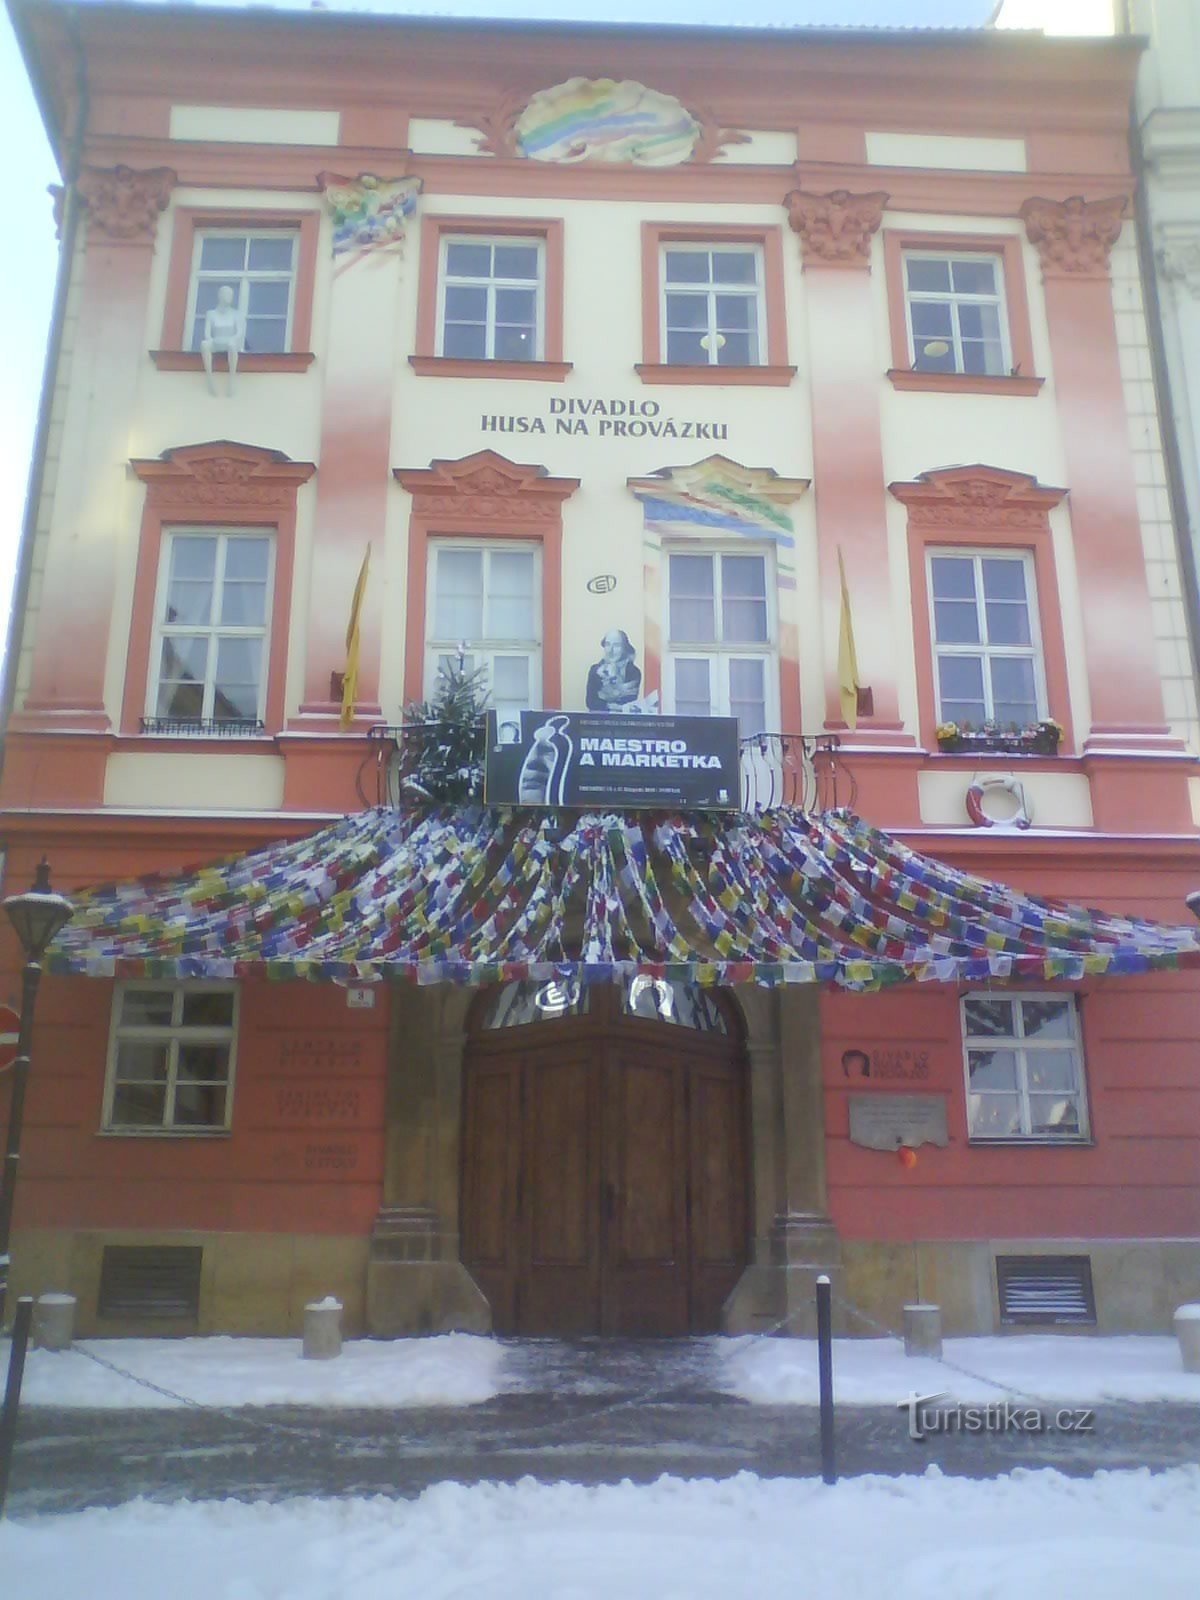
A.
x: 36, y: 917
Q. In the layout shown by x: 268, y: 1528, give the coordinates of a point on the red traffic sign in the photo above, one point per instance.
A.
x: 10, y: 1023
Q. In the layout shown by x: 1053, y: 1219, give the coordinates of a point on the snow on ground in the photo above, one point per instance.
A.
x: 1044, y: 1365
x: 1033, y: 1535
x: 450, y: 1369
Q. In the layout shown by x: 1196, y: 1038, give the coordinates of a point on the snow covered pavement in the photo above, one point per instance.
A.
x: 1034, y: 1535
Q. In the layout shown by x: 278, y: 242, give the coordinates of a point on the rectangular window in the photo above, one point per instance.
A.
x: 1024, y: 1065
x: 954, y: 305
x: 171, y: 1057
x: 712, y: 309
x: 260, y: 268
x: 212, y: 614
x: 485, y: 602
x: 491, y: 299
x: 987, y: 654
x: 720, y: 628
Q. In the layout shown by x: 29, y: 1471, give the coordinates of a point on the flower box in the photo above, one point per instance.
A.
x: 1039, y: 739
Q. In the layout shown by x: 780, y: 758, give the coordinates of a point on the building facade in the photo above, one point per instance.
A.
x: 617, y: 348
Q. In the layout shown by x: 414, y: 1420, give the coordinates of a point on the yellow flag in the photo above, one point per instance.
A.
x: 350, y: 676
x: 848, y: 684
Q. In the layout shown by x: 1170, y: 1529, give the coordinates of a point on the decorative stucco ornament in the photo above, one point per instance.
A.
x: 369, y: 213
x: 123, y: 205
x: 598, y: 119
x: 1074, y: 237
x: 835, y: 229
x: 719, y: 496
x: 224, y: 334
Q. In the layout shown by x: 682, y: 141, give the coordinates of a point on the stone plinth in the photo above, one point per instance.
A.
x: 323, y: 1329
x: 922, y: 1330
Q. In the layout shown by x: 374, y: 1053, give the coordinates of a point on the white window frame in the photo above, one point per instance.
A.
x: 710, y: 292
x: 1022, y: 1048
x: 719, y: 650
x: 243, y: 278
x: 173, y: 1033
x: 954, y: 298
x: 538, y: 242
x: 485, y: 649
x: 164, y: 629
x: 1031, y: 651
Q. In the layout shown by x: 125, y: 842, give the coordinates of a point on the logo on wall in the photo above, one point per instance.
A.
x: 602, y: 583
x: 584, y: 759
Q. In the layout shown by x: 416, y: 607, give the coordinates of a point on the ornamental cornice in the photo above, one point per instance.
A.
x: 977, y: 498
x: 1074, y: 237
x: 123, y: 204
x: 486, y: 485
x: 221, y: 475
x: 835, y: 229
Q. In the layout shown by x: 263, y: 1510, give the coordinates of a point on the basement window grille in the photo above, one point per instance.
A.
x: 233, y: 727
x: 151, y: 1281
x: 1045, y: 1289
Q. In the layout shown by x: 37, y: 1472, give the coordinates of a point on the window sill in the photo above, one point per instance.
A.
x: 456, y: 367
x: 248, y: 361
x: 961, y: 383
x: 1075, y: 1142
x: 163, y: 1133
x: 725, y: 377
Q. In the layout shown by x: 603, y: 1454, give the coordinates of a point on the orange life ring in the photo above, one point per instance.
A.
x: 1021, y: 818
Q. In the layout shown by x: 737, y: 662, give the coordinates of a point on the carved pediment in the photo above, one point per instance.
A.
x: 977, y: 497
x: 221, y: 475
x: 488, y: 485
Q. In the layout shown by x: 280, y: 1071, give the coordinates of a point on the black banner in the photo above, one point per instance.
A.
x: 593, y: 759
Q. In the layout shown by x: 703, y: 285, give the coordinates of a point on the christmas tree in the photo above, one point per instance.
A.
x: 443, y: 738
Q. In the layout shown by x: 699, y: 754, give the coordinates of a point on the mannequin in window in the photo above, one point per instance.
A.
x: 224, y: 330
x: 615, y: 681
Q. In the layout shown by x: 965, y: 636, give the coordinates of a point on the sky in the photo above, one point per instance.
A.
x: 30, y: 251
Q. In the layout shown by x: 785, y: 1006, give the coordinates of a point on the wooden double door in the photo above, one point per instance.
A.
x: 604, y: 1183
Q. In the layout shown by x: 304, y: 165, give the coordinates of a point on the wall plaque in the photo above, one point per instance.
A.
x: 887, y: 1121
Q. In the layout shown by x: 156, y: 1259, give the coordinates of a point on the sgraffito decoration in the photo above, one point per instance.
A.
x: 722, y: 496
x: 598, y: 119
x: 475, y: 896
x: 369, y: 213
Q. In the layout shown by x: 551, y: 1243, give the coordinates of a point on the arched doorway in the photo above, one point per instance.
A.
x: 604, y: 1176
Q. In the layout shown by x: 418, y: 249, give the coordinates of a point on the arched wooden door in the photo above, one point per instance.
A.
x: 604, y: 1178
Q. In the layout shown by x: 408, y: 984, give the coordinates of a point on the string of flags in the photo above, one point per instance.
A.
x: 476, y: 896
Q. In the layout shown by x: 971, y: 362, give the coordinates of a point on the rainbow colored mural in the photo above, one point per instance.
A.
x: 598, y: 119
x: 369, y: 213
x: 722, y: 496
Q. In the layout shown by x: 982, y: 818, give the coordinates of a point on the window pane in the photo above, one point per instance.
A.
x: 960, y: 683
x: 1014, y: 691
x: 687, y: 266
x: 735, y: 266
x: 180, y: 700
x: 269, y: 298
x: 692, y: 600
x: 189, y: 602
x: 238, y: 668
x: 928, y: 275
x: 184, y: 658
x: 510, y: 600
x: 686, y: 349
x: 979, y: 322
x: 736, y: 312
x: 1053, y: 1114
x: 510, y: 679
x: 956, y: 621
x: 203, y: 1063
x: 244, y: 604
x: 747, y: 695
x: 139, y: 1061
x: 1003, y: 580
x: 975, y: 277
x: 247, y: 558
x: 994, y: 1116
x: 465, y: 304
x: 469, y: 260
x: 193, y: 556
x: 687, y: 311
x: 266, y: 335
x: 207, y: 1009
x: 515, y: 344
x: 953, y: 577
x: 458, y: 606
x: 516, y: 306
x: 983, y: 356
x: 737, y: 350
x: 139, y: 1105
x: 691, y: 575
x: 1007, y: 623
x: 219, y: 254
x: 984, y: 1018
x: 1051, y: 1070
x: 931, y: 319
x: 1047, y: 1019
x: 692, y: 695
x: 992, y: 1069
x: 199, y: 1106
x: 467, y: 341
x: 744, y: 621
x: 273, y: 254
x: 146, y: 1008
x: 516, y: 261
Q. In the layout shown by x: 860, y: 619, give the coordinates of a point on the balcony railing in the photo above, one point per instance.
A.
x: 210, y: 727
x: 778, y: 769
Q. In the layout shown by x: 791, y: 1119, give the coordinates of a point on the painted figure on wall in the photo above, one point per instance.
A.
x: 615, y: 681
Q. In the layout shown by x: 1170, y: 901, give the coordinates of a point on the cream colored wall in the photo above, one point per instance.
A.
x: 1053, y: 799
x: 181, y: 780
x: 950, y: 152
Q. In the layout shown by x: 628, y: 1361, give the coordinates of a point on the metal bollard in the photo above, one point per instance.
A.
x: 323, y: 1329
x: 825, y: 1375
x: 12, y: 1391
x: 922, y: 1330
x: 54, y: 1321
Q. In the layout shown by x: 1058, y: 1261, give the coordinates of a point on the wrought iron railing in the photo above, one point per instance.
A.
x: 778, y: 769
x: 225, y: 727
